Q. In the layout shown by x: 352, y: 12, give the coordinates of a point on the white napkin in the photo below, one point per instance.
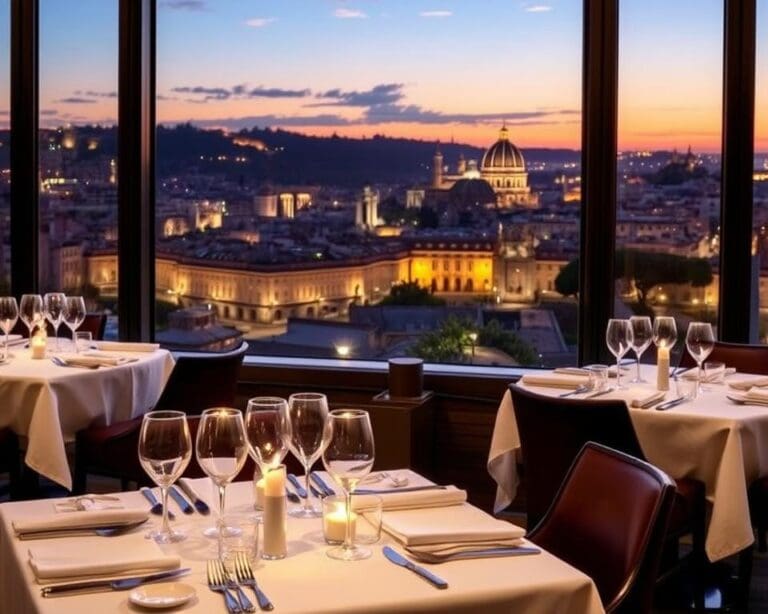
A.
x: 747, y: 384
x: 571, y: 371
x: 647, y: 401
x: 554, y: 381
x: 86, y: 503
x: 15, y: 339
x: 78, y: 520
x: 56, y: 564
x: 757, y: 395
x: 694, y: 373
x: 126, y: 346
x: 457, y: 524
x: 89, y: 359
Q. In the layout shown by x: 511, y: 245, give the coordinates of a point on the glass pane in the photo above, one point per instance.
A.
x: 670, y: 99
x: 323, y: 190
x: 760, y: 186
x: 78, y: 154
x: 5, y: 147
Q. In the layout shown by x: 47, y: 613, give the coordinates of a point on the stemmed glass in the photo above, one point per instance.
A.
x: 55, y: 308
x: 267, y: 431
x: 9, y: 313
x: 221, y: 452
x: 165, y: 449
x: 307, y: 413
x: 618, y: 336
x: 348, y: 456
x: 642, y: 332
x: 74, y: 314
x: 700, y: 341
x: 31, y: 311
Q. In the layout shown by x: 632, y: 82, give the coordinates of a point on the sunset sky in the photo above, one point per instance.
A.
x: 443, y: 69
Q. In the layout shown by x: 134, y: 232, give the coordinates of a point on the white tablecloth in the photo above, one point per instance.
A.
x: 710, y: 439
x: 47, y: 404
x: 307, y: 580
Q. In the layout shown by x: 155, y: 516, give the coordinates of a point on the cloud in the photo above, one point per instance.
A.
x: 93, y: 94
x: 184, y: 5
x: 210, y: 93
x: 349, y: 14
x: 384, y: 93
x: 394, y: 113
x: 264, y: 121
x: 537, y: 8
x: 259, y: 22
x: 436, y: 14
x: 4, y: 112
x: 76, y: 100
x: 237, y: 91
x: 49, y: 112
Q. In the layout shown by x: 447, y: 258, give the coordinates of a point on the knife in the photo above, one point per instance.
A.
x: 380, y: 491
x: 157, y: 507
x: 322, y: 484
x: 115, y: 584
x: 297, y: 485
x: 200, y: 505
x: 399, y: 559
x: 599, y: 393
x: 671, y: 404
x: 181, y: 501
x: 292, y: 496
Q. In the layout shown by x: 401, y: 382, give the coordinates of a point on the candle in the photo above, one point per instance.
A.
x: 260, y: 494
x: 335, y: 522
x: 37, y: 344
x: 662, y: 368
x: 274, y: 482
x: 275, y: 515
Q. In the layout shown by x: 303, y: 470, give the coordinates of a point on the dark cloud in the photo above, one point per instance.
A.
x: 383, y: 94
x: 49, y: 112
x: 275, y: 92
x: 384, y: 114
x: 92, y: 94
x: 76, y: 100
x: 264, y: 121
x: 238, y: 91
x: 184, y: 5
x: 210, y: 93
x: 162, y: 97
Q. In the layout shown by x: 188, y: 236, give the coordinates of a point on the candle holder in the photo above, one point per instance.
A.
x: 275, y: 544
x: 335, y: 520
x: 37, y: 343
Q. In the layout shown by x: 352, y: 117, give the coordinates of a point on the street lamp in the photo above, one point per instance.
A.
x: 473, y: 339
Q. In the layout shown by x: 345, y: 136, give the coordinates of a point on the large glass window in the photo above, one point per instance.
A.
x: 369, y: 181
x: 669, y: 138
x: 78, y: 154
x: 761, y: 169
x: 5, y: 148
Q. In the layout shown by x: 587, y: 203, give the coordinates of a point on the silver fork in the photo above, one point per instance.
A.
x: 245, y: 576
x: 216, y: 583
x: 245, y: 603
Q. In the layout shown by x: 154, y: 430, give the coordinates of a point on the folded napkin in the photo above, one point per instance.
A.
x: 126, y: 346
x: 15, y: 339
x: 52, y: 564
x: 693, y: 373
x: 91, y: 359
x: 571, y: 371
x: 554, y: 381
x: 647, y: 401
x: 78, y: 520
x: 747, y: 384
x: 756, y: 395
x: 458, y: 524
x: 85, y: 503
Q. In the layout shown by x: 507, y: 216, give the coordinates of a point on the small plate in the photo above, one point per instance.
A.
x: 162, y: 595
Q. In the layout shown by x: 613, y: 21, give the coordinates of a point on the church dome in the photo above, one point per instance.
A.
x: 503, y: 155
x: 469, y: 192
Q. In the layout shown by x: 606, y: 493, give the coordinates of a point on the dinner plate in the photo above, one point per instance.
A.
x: 162, y: 595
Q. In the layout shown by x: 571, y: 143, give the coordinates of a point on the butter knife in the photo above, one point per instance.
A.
x: 181, y: 501
x: 671, y: 404
x: 399, y: 559
x: 322, y: 484
x: 119, y: 584
x: 200, y: 505
x: 157, y: 507
x: 300, y: 490
x: 599, y: 393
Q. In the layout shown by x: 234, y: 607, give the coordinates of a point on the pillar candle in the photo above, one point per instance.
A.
x: 258, y: 490
x: 37, y: 344
x: 662, y: 368
x: 335, y: 524
x: 275, y: 515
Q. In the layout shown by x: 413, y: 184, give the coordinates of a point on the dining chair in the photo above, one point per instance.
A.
x: 552, y: 432
x: 10, y: 461
x: 197, y: 382
x: 608, y: 519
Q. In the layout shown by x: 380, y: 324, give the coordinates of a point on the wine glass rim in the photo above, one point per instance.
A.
x: 164, y: 414
x: 306, y: 396
x: 221, y: 411
x: 348, y: 413
x: 266, y: 401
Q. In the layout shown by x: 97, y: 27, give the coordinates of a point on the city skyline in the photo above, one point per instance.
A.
x: 366, y: 67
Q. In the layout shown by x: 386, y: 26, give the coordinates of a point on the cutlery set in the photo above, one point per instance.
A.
x: 185, y: 506
x: 225, y: 582
x: 121, y: 584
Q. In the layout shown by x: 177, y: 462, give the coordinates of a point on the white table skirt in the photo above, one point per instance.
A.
x: 47, y: 404
x: 710, y: 439
x: 307, y: 580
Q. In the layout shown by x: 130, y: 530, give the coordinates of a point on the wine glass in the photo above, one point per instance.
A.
x: 165, y: 449
x: 55, y: 308
x: 642, y: 333
x: 618, y: 336
x: 700, y: 341
x: 307, y: 413
x: 9, y: 313
x: 74, y: 314
x: 221, y: 452
x: 31, y: 311
x: 348, y: 456
x: 267, y: 431
x: 665, y: 332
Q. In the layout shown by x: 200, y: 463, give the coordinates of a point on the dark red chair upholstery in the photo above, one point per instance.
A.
x: 10, y: 461
x: 196, y: 383
x: 608, y: 519
x: 553, y: 431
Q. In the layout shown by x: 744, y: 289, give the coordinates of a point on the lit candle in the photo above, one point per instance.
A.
x: 37, y: 344
x: 662, y: 368
x: 275, y: 515
x: 335, y: 523
x: 260, y: 494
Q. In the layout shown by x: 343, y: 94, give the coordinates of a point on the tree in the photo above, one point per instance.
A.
x: 493, y: 334
x: 410, y: 293
x: 567, y: 280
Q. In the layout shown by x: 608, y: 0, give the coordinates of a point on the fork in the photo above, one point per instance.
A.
x: 216, y: 583
x: 245, y: 576
x: 229, y: 578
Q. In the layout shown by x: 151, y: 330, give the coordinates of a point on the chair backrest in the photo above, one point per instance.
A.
x: 744, y: 357
x: 553, y: 431
x: 202, y: 381
x: 609, y: 519
x: 94, y: 323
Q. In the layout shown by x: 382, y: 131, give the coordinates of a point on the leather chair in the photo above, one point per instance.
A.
x: 10, y: 461
x: 608, y: 519
x: 553, y: 430
x: 196, y: 383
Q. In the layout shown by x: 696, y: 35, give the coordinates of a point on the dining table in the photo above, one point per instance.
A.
x: 711, y: 438
x: 46, y: 401
x: 306, y: 580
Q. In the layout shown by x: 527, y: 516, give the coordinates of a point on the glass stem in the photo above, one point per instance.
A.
x: 220, y: 523
x: 166, y: 530
x: 5, y: 353
x: 56, y: 334
x: 618, y: 372
x: 638, y: 354
x: 698, y: 381
x: 307, y: 501
x: 348, y: 533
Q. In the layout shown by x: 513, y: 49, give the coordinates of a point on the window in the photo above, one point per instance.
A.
x: 760, y: 185
x: 669, y: 162
x: 5, y: 148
